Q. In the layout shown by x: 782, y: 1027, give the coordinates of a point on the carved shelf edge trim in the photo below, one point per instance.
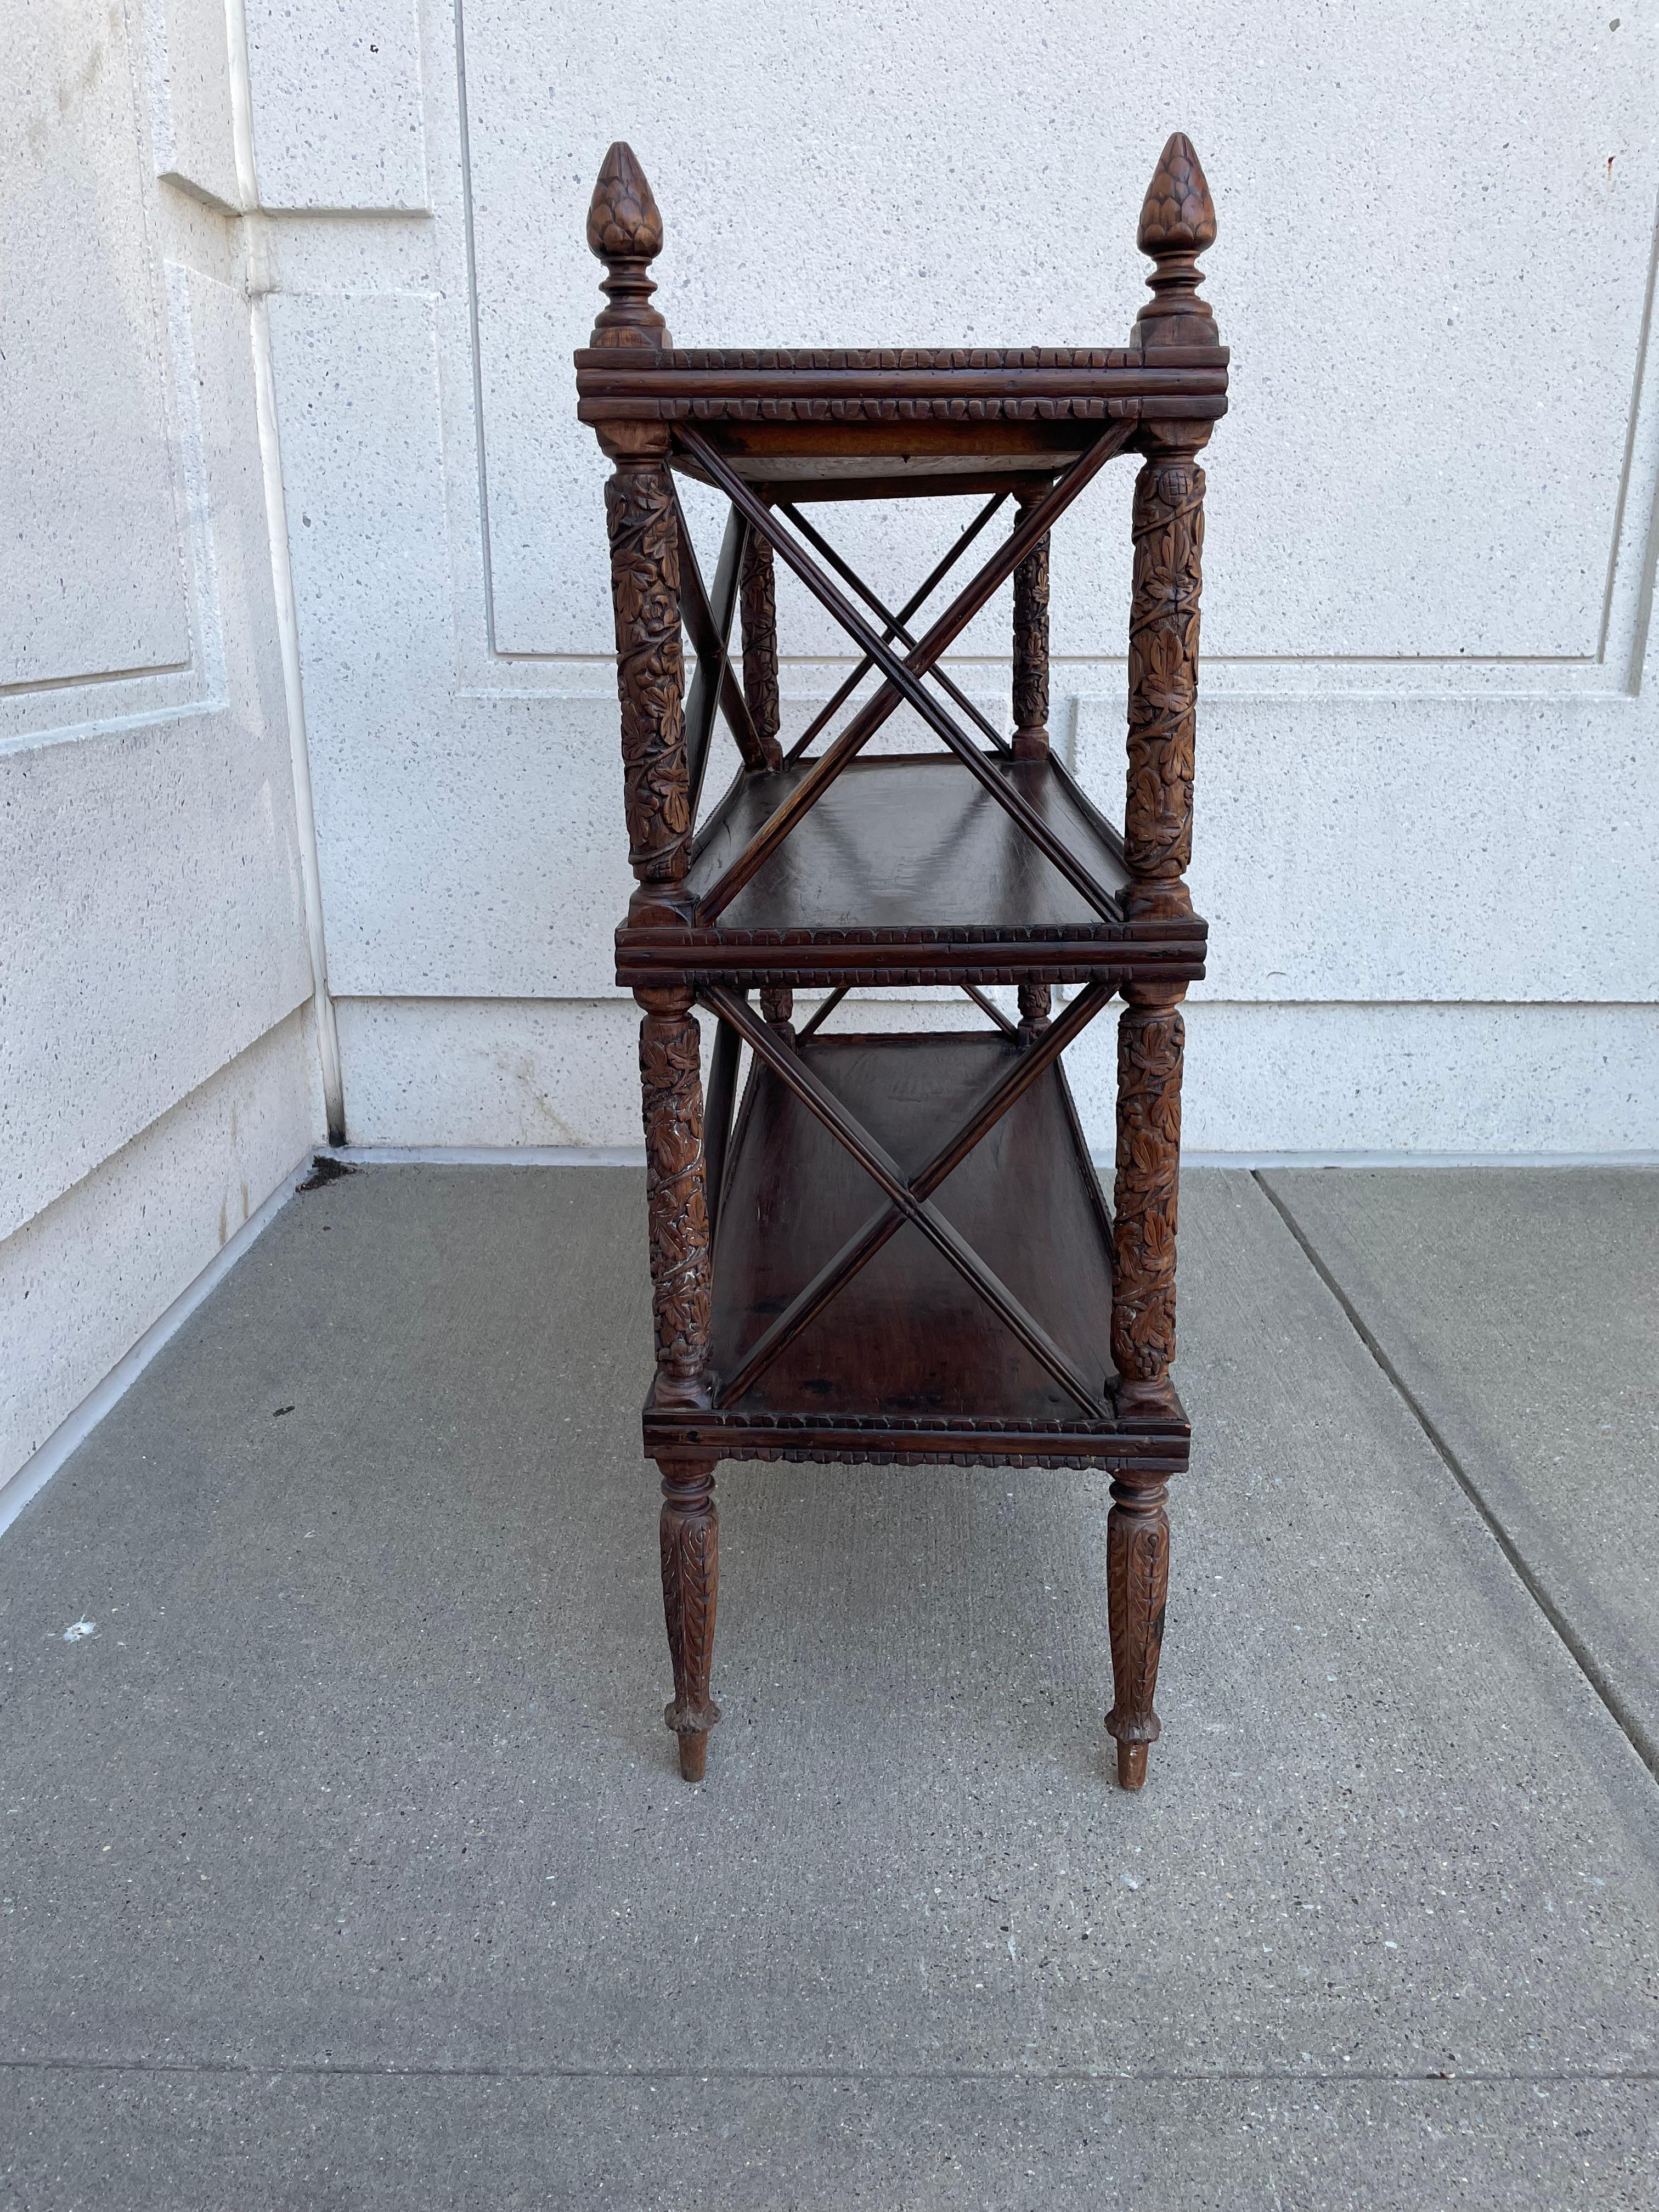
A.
x: 830, y: 977
x: 1176, y: 407
x: 801, y: 361
x: 827, y: 1438
x: 843, y: 1455
x: 1182, y: 936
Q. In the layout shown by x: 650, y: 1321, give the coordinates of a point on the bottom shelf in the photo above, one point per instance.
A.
x: 909, y: 1363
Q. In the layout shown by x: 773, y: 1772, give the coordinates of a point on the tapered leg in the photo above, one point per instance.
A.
x: 1150, y: 1040
x: 1137, y: 1586
x: 690, y: 1586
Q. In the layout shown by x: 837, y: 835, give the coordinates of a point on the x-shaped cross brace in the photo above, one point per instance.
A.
x: 908, y: 1198
x: 904, y: 676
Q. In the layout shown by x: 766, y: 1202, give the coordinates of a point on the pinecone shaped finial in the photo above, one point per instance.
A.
x: 624, y: 229
x: 1177, y: 223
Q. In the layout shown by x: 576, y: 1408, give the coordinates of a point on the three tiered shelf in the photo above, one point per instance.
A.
x: 894, y: 1249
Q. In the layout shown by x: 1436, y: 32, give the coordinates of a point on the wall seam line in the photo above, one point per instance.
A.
x: 1628, y: 1723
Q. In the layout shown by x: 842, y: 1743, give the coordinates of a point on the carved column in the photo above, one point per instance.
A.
x: 1178, y: 222
x: 1137, y: 1585
x: 1168, y: 543
x: 670, y: 1050
x: 1149, y: 1037
x: 624, y: 229
x: 645, y: 593
x: 690, y: 1587
x: 757, y: 605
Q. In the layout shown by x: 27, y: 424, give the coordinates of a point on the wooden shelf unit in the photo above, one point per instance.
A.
x: 894, y: 1249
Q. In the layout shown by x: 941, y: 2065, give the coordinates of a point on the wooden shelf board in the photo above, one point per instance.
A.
x: 901, y: 841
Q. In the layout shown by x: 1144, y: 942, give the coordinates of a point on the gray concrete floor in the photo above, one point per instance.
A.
x: 344, y: 1862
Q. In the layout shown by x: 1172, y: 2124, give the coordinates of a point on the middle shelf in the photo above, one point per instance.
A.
x: 907, y: 870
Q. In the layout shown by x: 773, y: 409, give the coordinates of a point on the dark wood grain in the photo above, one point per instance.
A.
x: 906, y: 1336
x: 908, y: 839
x: 912, y: 1259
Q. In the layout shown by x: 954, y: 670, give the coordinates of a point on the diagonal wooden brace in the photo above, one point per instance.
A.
x: 892, y: 625
x: 923, y: 593
x: 902, y: 677
x: 907, y: 1199
x: 709, y: 621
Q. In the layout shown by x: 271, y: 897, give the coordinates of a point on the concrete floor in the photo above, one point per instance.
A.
x: 344, y: 1862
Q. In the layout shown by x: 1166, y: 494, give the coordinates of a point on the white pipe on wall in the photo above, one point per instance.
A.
x: 259, y: 287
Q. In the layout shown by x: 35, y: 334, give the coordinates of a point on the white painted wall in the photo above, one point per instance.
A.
x: 1426, y: 832
x: 158, y: 1054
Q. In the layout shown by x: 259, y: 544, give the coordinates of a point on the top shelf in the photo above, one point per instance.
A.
x: 832, y: 423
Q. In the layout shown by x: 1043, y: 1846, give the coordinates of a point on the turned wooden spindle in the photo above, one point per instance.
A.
x: 689, y: 1525
x: 624, y: 230
x: 777, y: 1006
x: 757, y: 607
x: 1031, y: 639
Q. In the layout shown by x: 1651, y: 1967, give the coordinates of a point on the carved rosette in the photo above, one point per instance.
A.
x: 1031, y: 649
x: 677, y: 1204
x: 1169, y: 542
x: 1149, y: 1050
x: 690, y: 1530
x: 645, y: 592
x: 757, y: 601
x: 1137, y: 1588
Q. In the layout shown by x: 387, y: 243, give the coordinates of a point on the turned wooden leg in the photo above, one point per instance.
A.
x: 1149, y: 1035
x: 1137, y: 1588
x: 778, y: 1006
x: 690, y: 1587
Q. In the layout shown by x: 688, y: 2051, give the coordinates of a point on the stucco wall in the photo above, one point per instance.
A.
x: 1426, y: 786
x: 157, y: 1061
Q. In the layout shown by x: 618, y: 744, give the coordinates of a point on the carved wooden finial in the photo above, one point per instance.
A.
x: 625, y: 231
x: 1177, y: 223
